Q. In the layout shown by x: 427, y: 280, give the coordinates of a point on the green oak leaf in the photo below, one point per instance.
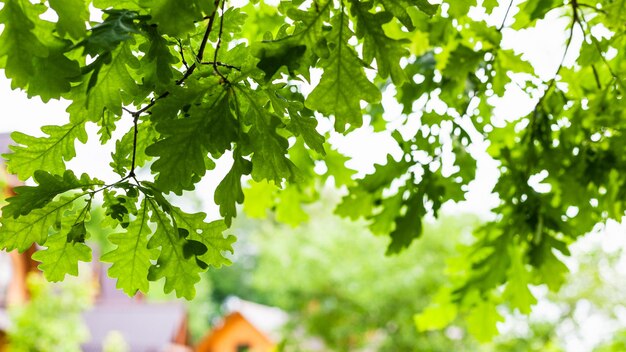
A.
x: 259, y: 197
x: 174, y: 17
x: 229, y: 192
x: 376, y: 44
x: 119, y: 207
x: 181, y: 273
x: 269, y: 161
x: 439, y: 314
x: 45, y: 153
x: 194, y: 137
x: 28, y: 198
x: 336, y: 165
x: 482, y: 320
x: 156, y: 64
x: 383, y: 221
x: 31, y: 56
x: 384, y: 174
x: 490, y: 5
x: 274, y: 55
x: 550, y: 268
x: 131, y: 258
x: 460, y: 8
x: 20, y: 233
x: 289, y: 208
x: 343, y: 84
x: 210, y: 234
x: 118, y: 27
x: 408, y: 226
x: 109, y: 77
x: 107, y: 123
x: 398, y: 8
x: 61, y: 257
x: 305, y: 127
x: 301, y: 120
x: 356, y: 204
x: 309, y: 26
x: 516, y: 290
x: 183, y: 137
x: 18, y: 42
x: 73, y: 16
x: 533, y: 10
x: 78, y: 232
x: 426, y: 7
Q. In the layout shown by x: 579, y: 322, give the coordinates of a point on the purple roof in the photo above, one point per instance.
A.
x: 146, y: 327
x: 5, y: 141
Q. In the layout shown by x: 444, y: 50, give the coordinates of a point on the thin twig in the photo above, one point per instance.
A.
x: 552, y: 82
x: 135, y: 129
x: 221, y: 64
x: 595, y: 42
x: 596, y: 77
x: 182, y: 54
x: 217, y: 46
x: 191, y: 69
x: 575, y: 20
x: 506, y: 15
x: 593, y: 8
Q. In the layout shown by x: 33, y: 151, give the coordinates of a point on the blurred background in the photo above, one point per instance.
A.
x: 325, y: 285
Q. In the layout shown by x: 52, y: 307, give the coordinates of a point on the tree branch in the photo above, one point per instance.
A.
x: 191, y: 68
x: 217, y: 47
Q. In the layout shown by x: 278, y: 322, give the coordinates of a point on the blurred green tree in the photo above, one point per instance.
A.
x: 334, y: 279
x: 52, y: 319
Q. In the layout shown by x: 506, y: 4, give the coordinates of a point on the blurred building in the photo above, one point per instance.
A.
x: 14, y: 266
x: 247, y: 327
x: 144, y: 326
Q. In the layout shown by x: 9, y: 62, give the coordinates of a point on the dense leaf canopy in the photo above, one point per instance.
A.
x: 248, y: 83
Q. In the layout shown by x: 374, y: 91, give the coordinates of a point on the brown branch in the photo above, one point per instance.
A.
x: 205, y: 39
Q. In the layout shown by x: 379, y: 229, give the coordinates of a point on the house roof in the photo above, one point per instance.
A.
x: 268, y: 320
x: 146, y: 327
x: 5, y: 141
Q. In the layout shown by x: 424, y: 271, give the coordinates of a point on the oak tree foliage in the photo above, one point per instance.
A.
x: 203, y: 81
